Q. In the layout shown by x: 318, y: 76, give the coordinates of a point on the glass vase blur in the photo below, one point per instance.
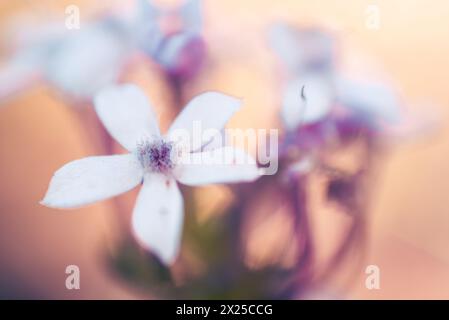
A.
x: 224, y: 274
x: 219, y: 268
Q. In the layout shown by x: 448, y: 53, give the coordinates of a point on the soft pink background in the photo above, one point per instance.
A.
x: 409, y: 227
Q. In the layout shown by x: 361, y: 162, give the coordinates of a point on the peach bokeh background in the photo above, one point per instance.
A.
x: 409, y: 224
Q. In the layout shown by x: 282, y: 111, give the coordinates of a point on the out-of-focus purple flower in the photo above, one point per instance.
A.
x: 172, y: 37
x: 319, y: 100
x: 307, y: 100
x: 309, y: 95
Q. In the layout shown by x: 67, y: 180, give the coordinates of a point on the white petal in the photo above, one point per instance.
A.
x: 222, y: 165
x: 126, y: 113
x: 87, y: 60
x: 91, y: 179
x: 158, y: 217
x: 144, y: 28
x: 372, y: 99
x: 302, y: 49
x: 418, y: 122
x: 28, y: 30
x: 217, y: 140
x: 316, y: 103
x: 191, y: 15
x: 168, y: 55
x: 285, y: 43
x: 302, y: 166
x: 210, y: 110
x: 147, y: 10
x: 19, y: 73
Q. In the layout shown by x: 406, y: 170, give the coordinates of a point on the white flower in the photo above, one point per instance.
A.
x: 310, y: 98
x: 79, y: 63
x: 376, y: 102
x: 88, y: 60
x: 158, y: 213
x: 308, y: 57
x: 307, y: 99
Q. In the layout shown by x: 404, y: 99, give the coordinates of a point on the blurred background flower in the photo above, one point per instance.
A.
x: 172, y: 37
x: 368, y: 86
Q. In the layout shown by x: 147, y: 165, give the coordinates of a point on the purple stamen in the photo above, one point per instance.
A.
x: 156, y: 156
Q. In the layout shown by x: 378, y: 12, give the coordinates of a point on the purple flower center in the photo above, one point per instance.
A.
x: 156, y: 156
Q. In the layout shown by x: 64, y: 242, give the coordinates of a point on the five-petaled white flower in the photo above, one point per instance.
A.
x: 154, y: 159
